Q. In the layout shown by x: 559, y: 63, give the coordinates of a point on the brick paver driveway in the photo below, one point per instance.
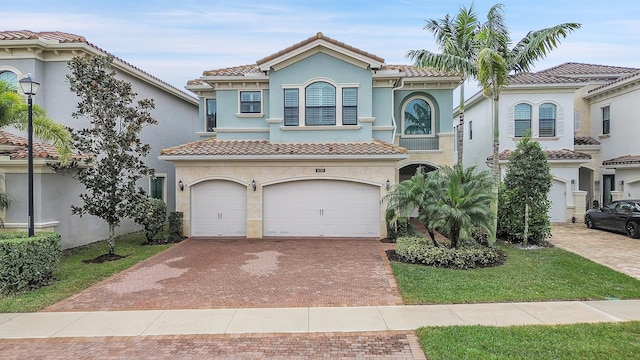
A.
x: 216, y: 273
x: 614, y: 250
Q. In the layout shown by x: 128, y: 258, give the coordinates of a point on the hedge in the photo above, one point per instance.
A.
x: 27, y: 263
x: 419, y: 251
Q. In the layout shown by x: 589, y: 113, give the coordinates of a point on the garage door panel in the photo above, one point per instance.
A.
x: 322, y: 208
x: 218, y: 208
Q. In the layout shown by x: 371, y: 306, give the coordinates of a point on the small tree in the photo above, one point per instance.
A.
x: 154, y: 219
x: 111, y: 143
x: 524, y: 205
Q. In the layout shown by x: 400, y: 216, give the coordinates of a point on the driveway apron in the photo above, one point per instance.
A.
x: 201, y: 273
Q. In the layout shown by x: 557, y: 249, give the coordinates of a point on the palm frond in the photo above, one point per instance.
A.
x: 492, y: 71
x: 537, y: 44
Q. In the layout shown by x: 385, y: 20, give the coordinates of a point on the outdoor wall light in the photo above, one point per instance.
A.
x: 573, y: 184
x: 621, y: 185
x: 181, y: 185
x: 388, y: 183
x: 253, y: 184
x: 596, y: 183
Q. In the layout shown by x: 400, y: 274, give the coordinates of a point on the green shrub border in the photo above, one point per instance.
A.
x: 418, y: 250
x: 27, y: 263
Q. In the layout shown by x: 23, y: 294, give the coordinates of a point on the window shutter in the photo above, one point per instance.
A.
x: 577, y: 122
x: 560, y: 121
x: 510, y: 122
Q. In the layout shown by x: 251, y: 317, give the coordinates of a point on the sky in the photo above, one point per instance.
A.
x: 176, y: 41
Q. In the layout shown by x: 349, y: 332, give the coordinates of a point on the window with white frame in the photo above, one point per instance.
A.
x: 417, y: 117
x: 547, y: 120
x: 158, y: 186
x: 522, y: 119
x: 291, y: 107
x: 606, y: 120
x: 320, y: 104
x: 211, y: 120
x: 250, y: 102
x: 9, y: 77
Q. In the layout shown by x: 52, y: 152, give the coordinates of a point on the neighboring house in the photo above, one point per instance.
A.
x: 307, y: 142
x: 45, y: 55
x: 567, y: 108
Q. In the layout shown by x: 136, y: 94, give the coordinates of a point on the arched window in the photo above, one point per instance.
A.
x: 320, y: 100
x: 9, y: 77
x: 417, y: 118
x: 547, y: 120
x: 522, y: 119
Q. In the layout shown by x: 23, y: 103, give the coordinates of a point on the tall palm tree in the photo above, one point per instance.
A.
x: 461, y: 198
x: 14, y: 112
x: 496, y: 60
x: 456, y: 39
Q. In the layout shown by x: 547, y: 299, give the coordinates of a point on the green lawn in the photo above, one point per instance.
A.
x: 74, y: 276
x: 528, y: 275
x: 579, y: 341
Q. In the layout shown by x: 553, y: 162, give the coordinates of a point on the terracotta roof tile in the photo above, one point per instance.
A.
x: 622, y: 78
x: 63, y: 37
x: 414, y: 71
x: 564, y: 154
x: 585, y: 140
x: 20, y: 148
x: 623, y: 160
x: 319, y: 35
x: 574, y: 69
x: 264, y: 147
x: 540, y: 78
x: 234, y: 71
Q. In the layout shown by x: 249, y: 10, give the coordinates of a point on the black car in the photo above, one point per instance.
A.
x: 620, y: 215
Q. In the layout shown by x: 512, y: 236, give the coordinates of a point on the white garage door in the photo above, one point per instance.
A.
x: 558, y: 198
x: 633, y: 191
x: 322, y: 208
x: 218, y: 208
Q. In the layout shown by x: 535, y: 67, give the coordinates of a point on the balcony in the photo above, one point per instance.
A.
x: 420, y: 143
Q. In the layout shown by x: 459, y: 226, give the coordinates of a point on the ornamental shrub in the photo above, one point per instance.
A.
x: 28, y: 263
x: 419, y: 251
x: 153, y: 219
x: 175, y: 226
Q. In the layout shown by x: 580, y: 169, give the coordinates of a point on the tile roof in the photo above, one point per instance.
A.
x: 623, y: 160
x: 18, y: 148
x: 264, y: 147
x: 539, y: 78
x: 620, y: 79
x: 581, y: 69
x: 311, y: 39
x: 414, y: 71
x: 585, y: 140
x: 572, y: 73
x: 63, y: 37
x: 564, y: 154
x: 234, y: 71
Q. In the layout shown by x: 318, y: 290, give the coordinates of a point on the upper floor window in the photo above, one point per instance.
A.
x: 522, y: 119
x: 211, y: 115
x: 250, y: 102
x: 9, y: 77
x: 291, y: 107
x: 320, y: 100
x: 417, y: 117
x: 470, y: 130
x: 350, y: 106
x: 606, y: 120
x: 547, y: 120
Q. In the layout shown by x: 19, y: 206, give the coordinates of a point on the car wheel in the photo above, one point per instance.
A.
x: 632, y: 230
x: 589, y: 222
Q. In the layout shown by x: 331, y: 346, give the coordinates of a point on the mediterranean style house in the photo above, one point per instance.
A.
x: 583, y: 117
x: 45, y: 55
x: 307, y: 141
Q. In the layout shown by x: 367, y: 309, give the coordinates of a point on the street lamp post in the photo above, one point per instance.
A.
x: 30, y: 88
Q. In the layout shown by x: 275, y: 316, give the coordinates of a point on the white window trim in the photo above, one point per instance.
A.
x: 240, y: 114
x: 433, y: 115
x: 535, y: 120
x: 601, y: 121
x: 19, y: 74
x: 206, y: 113
x: 302, y: 99
x: 164, y: 185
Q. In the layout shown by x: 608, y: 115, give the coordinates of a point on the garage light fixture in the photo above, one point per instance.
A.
x: 253, y: 184
x: 388, y: 184
x: 181, y: 185
x: 573, y: 184
x: 621, y: 183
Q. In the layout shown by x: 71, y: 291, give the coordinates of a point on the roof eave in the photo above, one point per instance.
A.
x: 371, y: 157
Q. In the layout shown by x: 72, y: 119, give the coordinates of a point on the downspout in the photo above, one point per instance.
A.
x: 393, y: 98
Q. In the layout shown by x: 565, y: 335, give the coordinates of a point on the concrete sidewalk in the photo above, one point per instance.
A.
x: 309, y: 319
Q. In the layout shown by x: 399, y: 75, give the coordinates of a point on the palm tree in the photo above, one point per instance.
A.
x: 410, y: 195
x: 456, y: 39
x: 462, y: 199
x: 496, y: 60
x: 14, y: 112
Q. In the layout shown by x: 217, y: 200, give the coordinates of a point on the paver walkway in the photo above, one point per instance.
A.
x: 259, y: 273
x: 614, y: 250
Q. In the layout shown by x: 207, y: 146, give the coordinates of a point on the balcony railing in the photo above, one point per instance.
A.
x: 419, y: 143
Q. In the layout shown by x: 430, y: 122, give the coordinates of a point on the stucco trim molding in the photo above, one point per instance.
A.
x: 40, y: 226
x: 224, y: 178
x: 335, y: 178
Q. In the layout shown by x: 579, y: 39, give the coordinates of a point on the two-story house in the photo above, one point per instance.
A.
x: 308, y: 141
x: 557, y: 107
x: 45, y: 55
